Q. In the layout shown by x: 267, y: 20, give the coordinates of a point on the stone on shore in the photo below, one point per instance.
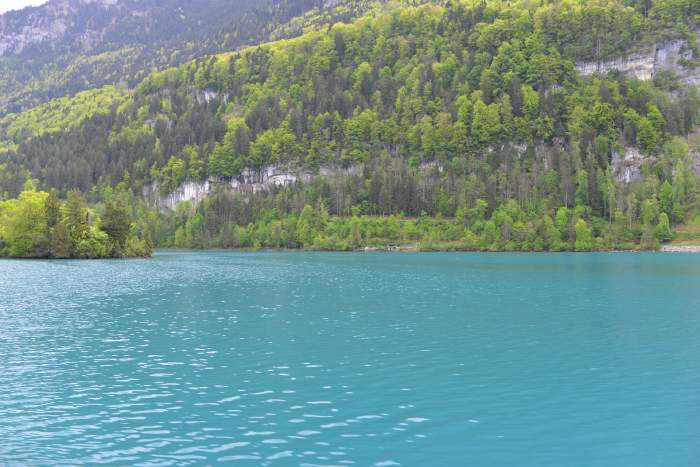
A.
x: 681, y: 249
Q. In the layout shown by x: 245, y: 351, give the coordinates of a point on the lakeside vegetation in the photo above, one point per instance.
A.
x: 687, y: 235
x: 508, y: 228
x: 37, y: 225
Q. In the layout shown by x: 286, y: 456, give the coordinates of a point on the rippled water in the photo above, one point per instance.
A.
x: 341, y: 359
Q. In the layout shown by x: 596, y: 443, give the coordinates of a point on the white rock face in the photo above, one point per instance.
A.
x: 205, y: 96
x: 249, y: 181
x: 627, y: 167
x: 188, y: 191
x: 639, y: 65
x: 645, y: 63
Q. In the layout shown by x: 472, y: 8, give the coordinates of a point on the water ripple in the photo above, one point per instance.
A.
x: 386, y: 360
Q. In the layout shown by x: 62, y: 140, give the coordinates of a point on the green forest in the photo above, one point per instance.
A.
x: 131, y: 46
x: 457, y: 125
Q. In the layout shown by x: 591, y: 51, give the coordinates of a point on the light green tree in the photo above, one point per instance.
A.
x: 584, y: 237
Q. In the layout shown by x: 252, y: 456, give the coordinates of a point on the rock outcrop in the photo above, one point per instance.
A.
x: 645, y: 63
x: 250, y: 181
x: 205, y: 96
x: 188, y: 191
x: 627, y: 166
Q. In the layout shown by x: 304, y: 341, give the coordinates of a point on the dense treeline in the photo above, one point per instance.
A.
x: 444, y: 110
x: 38, y: 225
x: 391, y: 204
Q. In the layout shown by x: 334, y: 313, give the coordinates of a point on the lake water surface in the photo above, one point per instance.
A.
x: 352, y: 359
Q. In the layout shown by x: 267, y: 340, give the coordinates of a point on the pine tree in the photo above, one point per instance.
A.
x: 116, y: 222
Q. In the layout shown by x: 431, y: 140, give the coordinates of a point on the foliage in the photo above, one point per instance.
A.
x: 37, y: 225
x: 108, y: 44
x: 467, y: 111
x: 61, y: 114
x: 296, y: 217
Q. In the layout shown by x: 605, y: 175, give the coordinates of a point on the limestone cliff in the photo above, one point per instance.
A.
x: 248, y: 181
x: 645, y: 63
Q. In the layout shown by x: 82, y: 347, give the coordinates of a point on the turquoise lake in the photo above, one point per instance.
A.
x: 352, y: 359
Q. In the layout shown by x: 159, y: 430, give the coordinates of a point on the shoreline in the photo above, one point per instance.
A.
x: 662, y: 249
x: 680, y: 249
x: 694, y: 249
x: 29, y: 258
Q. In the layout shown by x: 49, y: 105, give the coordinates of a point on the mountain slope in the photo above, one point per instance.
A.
x: 472, y: 109
x: 67, y: 46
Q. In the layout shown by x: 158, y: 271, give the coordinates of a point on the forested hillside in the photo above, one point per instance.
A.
x: 458, y: 125
x: 67, y: 46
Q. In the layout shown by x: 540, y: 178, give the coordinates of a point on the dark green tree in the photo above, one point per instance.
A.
x: 116, y: 222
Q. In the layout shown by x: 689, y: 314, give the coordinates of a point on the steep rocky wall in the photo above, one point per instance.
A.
x: 248, y: 182
x: 52, y: 22
x: 206, y: 96
x: 645, y: 63
x: 627, y: 165
x: 45, y: 24
x: 188, y: 191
